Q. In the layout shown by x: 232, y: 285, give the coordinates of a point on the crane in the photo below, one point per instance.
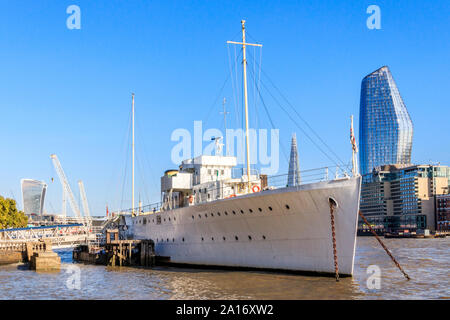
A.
x: 64, y: 206
x: 87, y: 213
x: 66, y: 187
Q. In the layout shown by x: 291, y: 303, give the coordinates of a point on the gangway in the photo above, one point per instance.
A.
x: 61, y: 236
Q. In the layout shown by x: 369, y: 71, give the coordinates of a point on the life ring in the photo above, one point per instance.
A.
x: 256, y: 189
x: 191, y: 199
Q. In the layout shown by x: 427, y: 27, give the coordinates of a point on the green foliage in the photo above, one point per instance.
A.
x: 10, y: 217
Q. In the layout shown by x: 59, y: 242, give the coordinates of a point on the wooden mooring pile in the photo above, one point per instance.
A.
x: 115, y: 252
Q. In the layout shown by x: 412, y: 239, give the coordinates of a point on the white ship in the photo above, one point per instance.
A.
x: 210, y: 217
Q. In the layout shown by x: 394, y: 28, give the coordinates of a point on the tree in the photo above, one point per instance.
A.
x: 10, y: 217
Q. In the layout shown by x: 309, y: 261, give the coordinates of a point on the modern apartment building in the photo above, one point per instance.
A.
x: 402, y: 196
x: 385, y: 127
x: 443, y: 212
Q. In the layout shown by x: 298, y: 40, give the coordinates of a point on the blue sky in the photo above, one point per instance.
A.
x: 68, y: 91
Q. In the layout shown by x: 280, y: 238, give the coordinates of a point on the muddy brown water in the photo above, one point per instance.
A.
x: 427, y: 261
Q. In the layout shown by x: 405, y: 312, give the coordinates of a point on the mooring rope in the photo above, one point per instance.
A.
x: 333, y: 233
x: 384, y: 247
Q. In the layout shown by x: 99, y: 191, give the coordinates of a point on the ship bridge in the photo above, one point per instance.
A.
x: 201, y: 179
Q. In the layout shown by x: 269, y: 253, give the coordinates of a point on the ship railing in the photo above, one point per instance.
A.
x: 305, y: 177
x: 237, y: 173
x: 264, y: 182
x: 150, y: 208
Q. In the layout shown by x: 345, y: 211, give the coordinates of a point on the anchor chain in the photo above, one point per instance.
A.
x: 384, y: 247
x: 333, y: 233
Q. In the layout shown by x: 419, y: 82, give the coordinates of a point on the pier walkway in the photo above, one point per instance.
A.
x: 60, y: 236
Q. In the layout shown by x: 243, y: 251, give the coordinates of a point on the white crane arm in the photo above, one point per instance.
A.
x: 66, y: 186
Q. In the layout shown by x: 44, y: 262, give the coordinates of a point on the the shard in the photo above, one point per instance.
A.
x: 294, y: 167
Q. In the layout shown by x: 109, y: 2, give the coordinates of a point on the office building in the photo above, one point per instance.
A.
x: 33, y: 196
x: 401, y: 196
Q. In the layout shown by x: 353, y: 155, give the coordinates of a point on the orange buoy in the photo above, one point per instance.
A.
x: 256, y: 189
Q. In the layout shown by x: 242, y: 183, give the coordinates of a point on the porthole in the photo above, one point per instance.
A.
x: 260, y: 210
x: 234, y: 212
x: 250, y: 238
x: 169, y: 219
x: 183, y: 239
x: 203, y: 239
x: 270, y: 208
x: 212, y: 214
x: 236, y: 237
x: 251, y: 211
x: 226, y: 213
x: 264, y: 237
x: 192, y: 217
x: 173, y: 240
x: 287, y: 207
x: 218, y: 213
x: 167, y: 239
x: 212, y: 238
x: 174, y: 219
x: 200, y: 216
x: 206, y: 215
x: 224, y: 238
x: 164, y: 219
x: 242, y: 211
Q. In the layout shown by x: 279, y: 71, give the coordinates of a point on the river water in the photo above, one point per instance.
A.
x: 427, y: 261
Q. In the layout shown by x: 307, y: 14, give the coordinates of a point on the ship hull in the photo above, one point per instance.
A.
x: 281, y: 229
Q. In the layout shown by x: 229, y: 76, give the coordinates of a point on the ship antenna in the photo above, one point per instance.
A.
x: 225, y: 112
x: 244, y: 65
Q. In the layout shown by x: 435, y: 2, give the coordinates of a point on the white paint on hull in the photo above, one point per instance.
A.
x: 298, y: 238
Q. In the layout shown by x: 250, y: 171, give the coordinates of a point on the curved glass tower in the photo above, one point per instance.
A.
x: 33, y: 195
x: 385, y: 127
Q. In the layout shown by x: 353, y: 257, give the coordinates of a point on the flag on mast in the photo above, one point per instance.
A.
x: 352, y: 138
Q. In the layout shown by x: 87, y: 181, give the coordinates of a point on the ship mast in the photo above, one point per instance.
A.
x: 244, y: 64
x: 132, y: 155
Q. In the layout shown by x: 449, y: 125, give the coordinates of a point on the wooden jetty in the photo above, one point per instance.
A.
x: 115, y: 252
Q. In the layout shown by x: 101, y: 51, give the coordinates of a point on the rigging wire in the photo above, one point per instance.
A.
x: 303, y: 120
x: 218, y: 96
x: 114, y: 174
x: 272, y: 123
x: 141, y: 166
x: 126, y: 163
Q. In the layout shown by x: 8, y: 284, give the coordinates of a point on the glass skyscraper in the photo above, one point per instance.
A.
x: 33, y: 195
x: 385, y: 127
